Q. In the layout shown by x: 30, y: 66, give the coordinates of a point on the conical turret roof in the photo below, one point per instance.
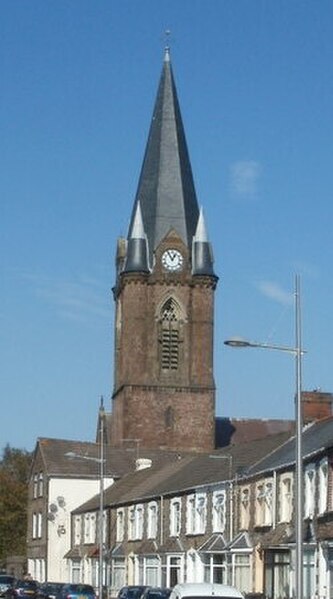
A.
x: 166, y: 189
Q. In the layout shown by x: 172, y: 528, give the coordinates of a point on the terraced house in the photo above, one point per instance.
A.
x: 222, y: 517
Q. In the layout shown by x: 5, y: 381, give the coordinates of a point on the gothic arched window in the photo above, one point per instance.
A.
x: 169, y: 321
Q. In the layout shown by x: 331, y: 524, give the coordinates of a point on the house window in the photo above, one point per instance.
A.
x: 244, y: 507
x: 40, y: 484
x: 152, y: 520
x: 35, y: 486
x: 322, y: 487
x: 169, y: 335
x: 151, y: 569
x: 175, y: 517
x: 75, y: 571
x: 135, y: 522
x: 277, y: 573
x: 131, y: 522
x: 264, y: 495
x: 120, y: 525
x: 309, y: 583
x: 34, y: 525
x: 190, y: 513
x: 201, y: 514
x: 39, y: 525
x: 285, y: 497
x: 219, y: 508
x: 174, y: 570
x: 89, y: 528
x: 196, y: 514
x: 139, y: 522
x: 241, y: 577
x: 309, y: 491
x: 118, y: 574
x: 77, y: 530
x: 215, y: 567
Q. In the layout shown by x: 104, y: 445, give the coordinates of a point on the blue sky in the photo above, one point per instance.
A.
x: 78, y: 83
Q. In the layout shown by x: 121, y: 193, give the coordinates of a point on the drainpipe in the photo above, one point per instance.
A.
x: 161, y: 520
x: 274, y: 499
x: 231, y: 499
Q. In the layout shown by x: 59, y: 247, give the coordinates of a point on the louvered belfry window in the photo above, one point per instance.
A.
x: 170, y: 335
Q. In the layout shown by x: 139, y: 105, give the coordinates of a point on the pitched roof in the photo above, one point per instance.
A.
x: 316, y: 437
x: 75, y: 459
x: 183, y: 474
x: 166, y: 189
x: 240, y: 430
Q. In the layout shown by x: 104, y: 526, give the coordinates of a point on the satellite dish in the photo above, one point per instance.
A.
x: 61, y: 501
x: 50, y: 516
x: 53, y: 507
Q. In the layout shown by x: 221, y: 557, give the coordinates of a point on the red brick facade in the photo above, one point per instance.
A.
x: 171, y: 409
x: 316, y: 405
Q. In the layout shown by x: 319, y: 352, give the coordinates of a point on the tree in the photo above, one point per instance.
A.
x: 14, y: 474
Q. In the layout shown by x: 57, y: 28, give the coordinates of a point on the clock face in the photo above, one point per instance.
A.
x: 172, y: 260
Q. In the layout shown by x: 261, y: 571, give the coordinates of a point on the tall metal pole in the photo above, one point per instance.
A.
x: 101, y: 499
x: 298, y: 352
x: 299, y: 452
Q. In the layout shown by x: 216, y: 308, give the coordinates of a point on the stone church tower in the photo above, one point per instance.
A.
x: 164, y: 392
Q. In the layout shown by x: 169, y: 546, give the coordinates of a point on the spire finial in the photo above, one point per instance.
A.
x: 167, y: 34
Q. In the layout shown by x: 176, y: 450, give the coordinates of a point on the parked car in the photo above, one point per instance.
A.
x: 156, y: 593
x: 204, y: 590
x: 22, y: 589
x: 76, y: 591
x: 49, y: 590
x: 132, y: 592
x: 6, y: 582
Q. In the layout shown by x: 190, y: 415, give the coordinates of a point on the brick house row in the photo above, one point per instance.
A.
x: 216, y: 517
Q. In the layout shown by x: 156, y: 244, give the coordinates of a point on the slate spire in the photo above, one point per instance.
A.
x: 137, y: 255
x: 202, y: 254
x: 166, y: 190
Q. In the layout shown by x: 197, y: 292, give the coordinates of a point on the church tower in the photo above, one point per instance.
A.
x: 164, y: 391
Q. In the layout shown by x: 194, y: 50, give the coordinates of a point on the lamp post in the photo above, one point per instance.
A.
x: 100, y: 460
x: 297, y: 352
x: 101, y: 499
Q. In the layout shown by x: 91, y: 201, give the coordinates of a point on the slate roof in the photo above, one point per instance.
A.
x: 166, y: 189
x: 184, y: 473
x: 58, y: 461
x: 239, y: 430
x: 316, y: 437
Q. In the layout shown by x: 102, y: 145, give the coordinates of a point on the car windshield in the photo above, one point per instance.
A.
x: 80, y: 588
x: 210, y: 597
x: 6, y: 579
x: 26, y: 584
x: 51, y: 586
x: 134, y: 592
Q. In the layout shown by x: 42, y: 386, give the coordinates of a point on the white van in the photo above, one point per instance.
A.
x: 204, y: 590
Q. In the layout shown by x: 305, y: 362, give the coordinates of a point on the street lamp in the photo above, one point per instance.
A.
x: 297, y: 352
x: 100, y: 460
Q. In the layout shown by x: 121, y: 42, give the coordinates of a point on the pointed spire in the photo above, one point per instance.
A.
x: 202, y: 255
x: 166, y: 189
x: 137, y: 228
x: 201, y: 233
x: 137, y: 254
